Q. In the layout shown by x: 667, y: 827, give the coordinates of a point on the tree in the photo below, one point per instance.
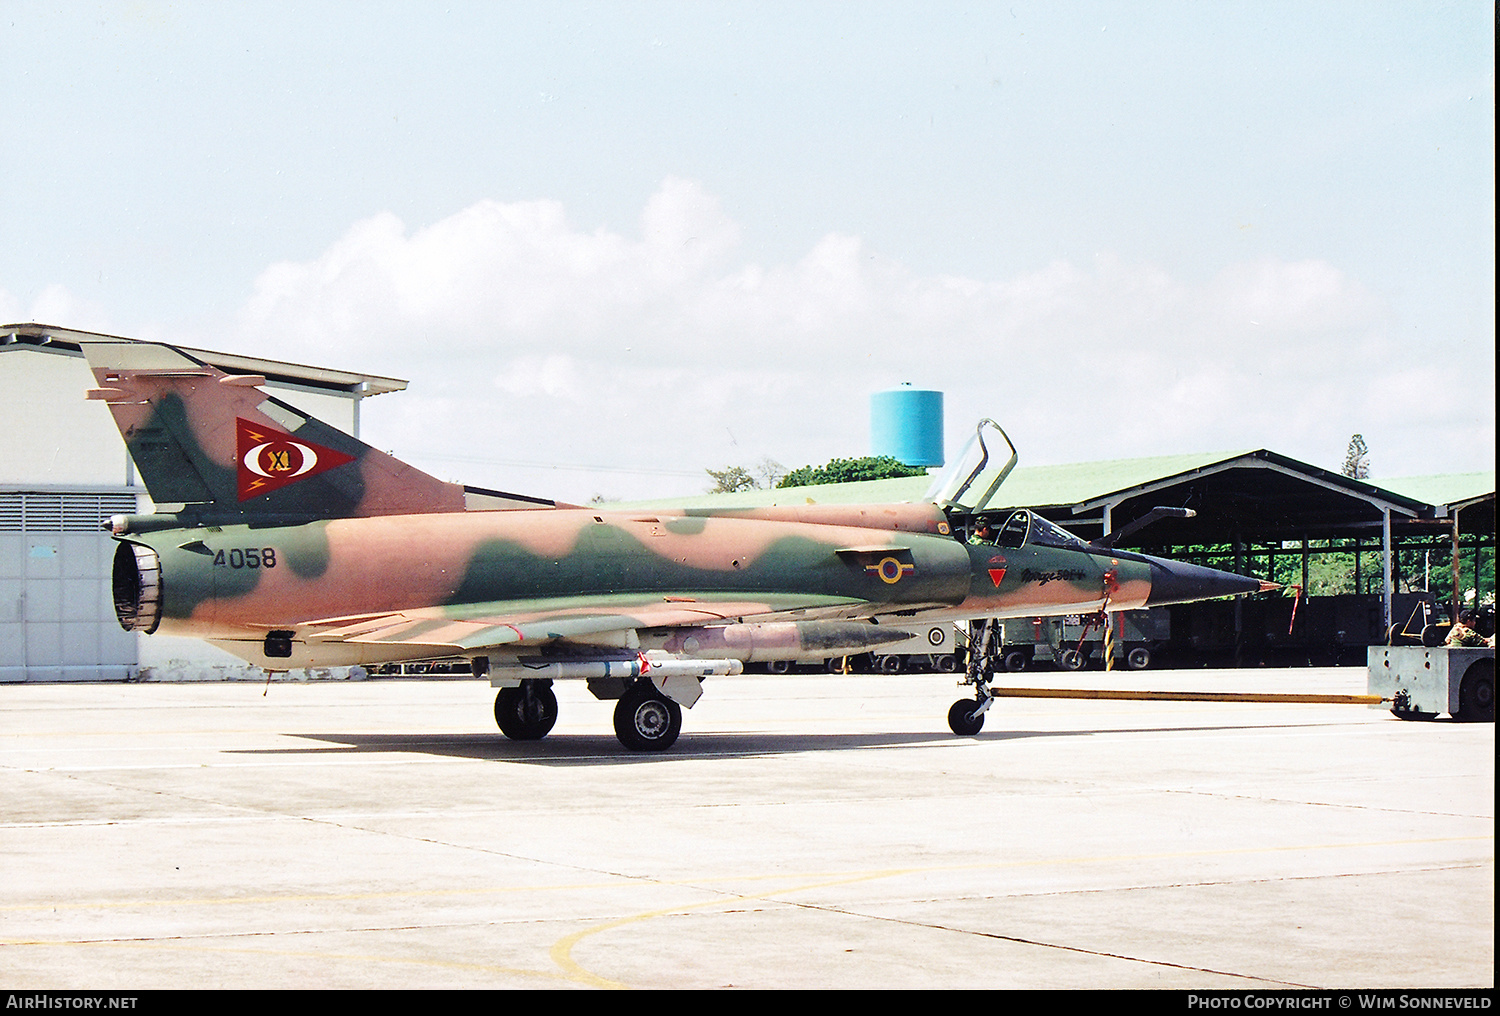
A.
x: 1357, y: 459
x: 731, y: 480
x: 767, y: 472
x: 871, y: 467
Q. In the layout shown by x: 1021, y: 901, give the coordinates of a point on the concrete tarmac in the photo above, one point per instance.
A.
x: 805, y: 831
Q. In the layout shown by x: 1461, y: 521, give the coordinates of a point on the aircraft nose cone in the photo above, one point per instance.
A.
x: 1177, y: 582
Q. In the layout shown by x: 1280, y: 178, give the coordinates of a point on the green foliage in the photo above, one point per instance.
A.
x: 1416, y: 564
x: 731, y: 480
x: 871, y: 467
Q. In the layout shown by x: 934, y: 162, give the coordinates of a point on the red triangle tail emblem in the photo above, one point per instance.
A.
x: 269, y: 459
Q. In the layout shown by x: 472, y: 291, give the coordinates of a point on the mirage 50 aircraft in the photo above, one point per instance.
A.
x: 292, y: 544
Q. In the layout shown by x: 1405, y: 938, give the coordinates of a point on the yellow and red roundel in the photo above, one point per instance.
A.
x: 890, y: 569
x: 269, y: 459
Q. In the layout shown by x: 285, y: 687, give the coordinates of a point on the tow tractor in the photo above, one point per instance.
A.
x: 1420, y: 681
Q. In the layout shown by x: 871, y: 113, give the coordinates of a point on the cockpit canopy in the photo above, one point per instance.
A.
x: 1022, y: 528
x: 970, y: 484
x: 976, y: 474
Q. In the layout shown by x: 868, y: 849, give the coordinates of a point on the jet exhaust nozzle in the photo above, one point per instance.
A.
x: 137, y: 587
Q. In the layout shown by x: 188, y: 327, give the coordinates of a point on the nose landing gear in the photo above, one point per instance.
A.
x: 966, y: 716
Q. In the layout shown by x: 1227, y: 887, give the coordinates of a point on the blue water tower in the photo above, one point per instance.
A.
x: 906, y: 423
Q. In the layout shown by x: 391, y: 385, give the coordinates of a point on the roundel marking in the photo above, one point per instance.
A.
x: 890, y: 570
x: 281, y: 459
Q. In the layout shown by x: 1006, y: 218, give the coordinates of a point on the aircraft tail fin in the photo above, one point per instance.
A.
x: 218, y: 445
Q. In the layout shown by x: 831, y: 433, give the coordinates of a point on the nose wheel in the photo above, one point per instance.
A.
x: 966, y: 717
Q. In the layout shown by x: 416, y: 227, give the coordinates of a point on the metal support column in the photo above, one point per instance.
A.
x: 1457, y: 572
x: 1385, y: 555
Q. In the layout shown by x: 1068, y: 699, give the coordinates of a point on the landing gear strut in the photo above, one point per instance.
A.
x: 526, y: 713
x: 966, y: 716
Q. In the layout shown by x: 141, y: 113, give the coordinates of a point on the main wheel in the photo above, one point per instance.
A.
x: 891, y: 664
x: 1138, y: 658
x: 1476, y: 694
x: 1072, y: 659
x: 646, y: 720
x: 964, y: 718
x: 526, y: 713
x: 779, y: 667
x: 1015, y: 661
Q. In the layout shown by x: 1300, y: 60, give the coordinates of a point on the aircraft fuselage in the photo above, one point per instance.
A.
x: 236, y: 583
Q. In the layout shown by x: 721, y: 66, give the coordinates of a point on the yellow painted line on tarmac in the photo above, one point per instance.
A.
x: 562, y: 950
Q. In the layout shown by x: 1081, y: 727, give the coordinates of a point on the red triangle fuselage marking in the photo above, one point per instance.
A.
x: 269, y: 459
x: 996, y: 574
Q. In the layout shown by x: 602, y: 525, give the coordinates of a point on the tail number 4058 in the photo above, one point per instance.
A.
x: 251, y: 557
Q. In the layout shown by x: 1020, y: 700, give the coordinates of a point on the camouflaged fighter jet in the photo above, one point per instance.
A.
x: 291, y: 544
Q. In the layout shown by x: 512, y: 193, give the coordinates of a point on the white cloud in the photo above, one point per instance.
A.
x: 55, y: 305
x: 549, y: 377
x: 666, y: 353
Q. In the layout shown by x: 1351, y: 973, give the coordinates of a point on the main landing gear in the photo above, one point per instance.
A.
x: 645, y: 719
x: 526, y: 713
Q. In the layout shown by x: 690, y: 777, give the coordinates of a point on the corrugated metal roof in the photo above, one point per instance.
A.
x: 1075, y: 483
x: 1445, y: 488
x: 65, y: 340
x: 1259, y: 491
x: 1028, y: 486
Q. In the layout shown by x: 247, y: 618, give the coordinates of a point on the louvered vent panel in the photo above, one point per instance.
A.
x: 10, y: 512
x: 43, y: 512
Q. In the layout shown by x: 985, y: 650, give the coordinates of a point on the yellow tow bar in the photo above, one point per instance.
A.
x: 1185, y: 696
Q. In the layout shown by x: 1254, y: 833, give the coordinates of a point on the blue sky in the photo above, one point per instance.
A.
x: 659, y: 237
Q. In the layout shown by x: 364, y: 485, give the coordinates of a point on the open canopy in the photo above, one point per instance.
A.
x: 977, y: 473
